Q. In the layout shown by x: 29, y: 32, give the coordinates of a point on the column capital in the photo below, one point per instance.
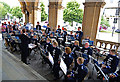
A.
x: 94, y: 4
x: 56, y: 5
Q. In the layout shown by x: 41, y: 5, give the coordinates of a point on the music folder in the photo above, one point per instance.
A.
x: 51, y: 59
x: 63, y: 66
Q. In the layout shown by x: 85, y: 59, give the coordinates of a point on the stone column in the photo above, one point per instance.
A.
x: 53, y: 14
x: 25, y: 12
x: 26, y: 17
x: 35, y: 14
x: 91, y: 19
x: 31, y: 17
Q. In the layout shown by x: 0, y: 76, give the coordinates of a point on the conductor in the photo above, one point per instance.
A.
x: 24, y: 46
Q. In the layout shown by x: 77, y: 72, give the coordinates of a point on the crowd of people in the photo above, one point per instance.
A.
x: 51, y: 42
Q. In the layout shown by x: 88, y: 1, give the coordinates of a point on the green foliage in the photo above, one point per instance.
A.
x: 4, y: 9
x: 16, y: 11
x: 43, y: 13
x: 104, y: 22
x: 6, y: 6
x: 73, y: 13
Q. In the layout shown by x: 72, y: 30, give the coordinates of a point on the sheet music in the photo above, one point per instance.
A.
x: 31, y: 46
x: 63, y: 66
x: 51, y: 59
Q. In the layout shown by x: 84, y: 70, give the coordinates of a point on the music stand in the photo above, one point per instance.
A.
x: 63, y: 67
x: 106, y: 78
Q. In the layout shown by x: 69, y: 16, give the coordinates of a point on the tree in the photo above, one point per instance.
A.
x: 16, y: 11
x: 6, y: 6
x: 4, y: 9
x: 104, y: 22
x: 43, y: 13
x: 73, y: 12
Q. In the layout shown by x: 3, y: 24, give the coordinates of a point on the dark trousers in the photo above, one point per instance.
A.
x: 24, y: 58
x: 47, y: 61
x: 56, y: 69
x: 107, y: 71
x: 116, y: 79
x: 24, y: 55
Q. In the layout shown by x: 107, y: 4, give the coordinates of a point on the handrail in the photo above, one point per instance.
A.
x: 116, y: 44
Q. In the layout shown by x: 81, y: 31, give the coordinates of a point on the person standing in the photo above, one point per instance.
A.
x: 15, y: 27
x: 24, y: 46
x: 38, y: 26
x: 3, y: 29
x: 58, y: 30
x: 6, y: 27
x: 79, y: 35
x: 56, y: 54
x: 47, y: 29
x: 9, y: 27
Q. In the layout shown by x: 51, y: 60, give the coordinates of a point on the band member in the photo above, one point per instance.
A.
x: 15, y: 27
x: 110, y: 63
x: 74, y: 48
x: 47, y: 29
x: 87, y: 38
x: 24, y: 46
x: 86, y: 50
x: 115, y: 77
x: 79, y: 35
x: 52, y: 36
x: 89, y: 41
x: 58, y: 30
x: 80, y: 72
x: 67, y: 57
x: 48, y: 48
x: 64, y: 34
x: 56, y: 54
x: 71, y: 36
x: 34, y: 39
x: 43, y: 38
x: 38, y: 26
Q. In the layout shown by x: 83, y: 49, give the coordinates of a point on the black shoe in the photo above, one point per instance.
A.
x: 27, y: 63
x: 52, y: 72
x: 55, y: 78
x: 50, y: 67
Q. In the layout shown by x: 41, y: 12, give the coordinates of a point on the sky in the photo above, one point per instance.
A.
x: 12, y: 3
x: 109, y: 3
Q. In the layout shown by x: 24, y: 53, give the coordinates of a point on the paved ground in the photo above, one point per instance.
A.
x: 108, y: 36
x: 14, y: 69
